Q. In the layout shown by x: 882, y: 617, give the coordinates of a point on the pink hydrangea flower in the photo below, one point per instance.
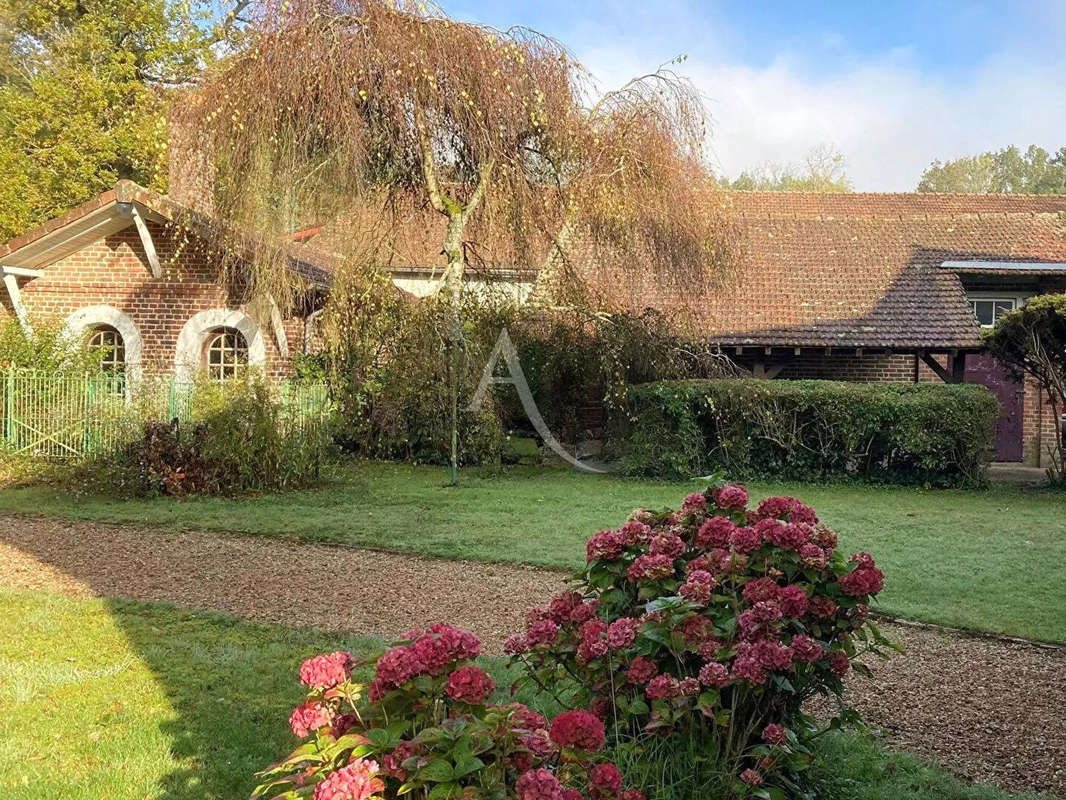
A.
x: 562, y: 604
x: 606, y: 778
x: 823, y: 607
x: 715, y: 532
x: 733, y: 496
x: 622, y: 633
x: 605, y: 546
x: 469, y: 684
x: 806, y: 649
x: 309, y: 717
x: 698, y: 587
x: 667, y: 543
x: 356, y: 781
x: 714, y: 674
x: 396, y: 667
x: 690, y: 687
x: 745, y: 540
x: 327, y: 670
x: 538, y: 784
x: 839, y: 663
x: 793, y: 601
x: 635, y: 532
x: 751, y: 777
x: 760, y: 590
x: 662, y: 687
x: 516, y: 644
x: 584, y: 612
x: 650, y: 568
x: 773, y: 734
x: 812, y: 556
x: 544, y: 631
x: 631, y: 794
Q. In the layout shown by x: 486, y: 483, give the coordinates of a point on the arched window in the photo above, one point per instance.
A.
x: 225, y: 353
x: 113, y: 348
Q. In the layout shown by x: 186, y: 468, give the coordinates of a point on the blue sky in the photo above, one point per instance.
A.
x: 892, y: 85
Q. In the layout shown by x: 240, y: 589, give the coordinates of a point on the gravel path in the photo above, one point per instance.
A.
x: 988, y: 710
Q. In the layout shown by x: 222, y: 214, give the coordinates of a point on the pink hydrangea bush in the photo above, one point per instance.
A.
x: 716, y: 620
x: 424, y: 726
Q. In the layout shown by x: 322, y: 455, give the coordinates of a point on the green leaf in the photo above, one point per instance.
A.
x: 443, y: 790
x: 437, y: 771
x: 467, y: 766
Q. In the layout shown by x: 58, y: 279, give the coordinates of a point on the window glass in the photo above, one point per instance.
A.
x: 227, y: 354
x: 987, y: 312
x: 109, y: 341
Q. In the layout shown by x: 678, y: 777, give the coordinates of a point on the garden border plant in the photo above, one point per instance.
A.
x: 698, y: 632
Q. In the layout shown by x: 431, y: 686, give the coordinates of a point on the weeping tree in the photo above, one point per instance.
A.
x: 388, y: 114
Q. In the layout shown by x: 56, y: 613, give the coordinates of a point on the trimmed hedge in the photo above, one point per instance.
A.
x: 921, y: 433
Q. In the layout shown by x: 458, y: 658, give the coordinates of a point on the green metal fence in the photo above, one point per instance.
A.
x: 68, y: 416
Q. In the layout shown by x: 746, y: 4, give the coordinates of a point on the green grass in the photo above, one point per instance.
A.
x: 992, y: 560
x: 117, y: 700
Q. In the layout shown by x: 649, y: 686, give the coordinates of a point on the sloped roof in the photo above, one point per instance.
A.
x: 895, y: 205
x: 110, y: 212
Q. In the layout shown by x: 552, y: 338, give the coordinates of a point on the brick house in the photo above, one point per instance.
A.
x: 865, y: 287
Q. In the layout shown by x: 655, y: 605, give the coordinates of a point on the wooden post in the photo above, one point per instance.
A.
x: 958, y: 367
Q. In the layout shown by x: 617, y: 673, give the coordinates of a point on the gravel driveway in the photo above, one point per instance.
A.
x: 988, y: 710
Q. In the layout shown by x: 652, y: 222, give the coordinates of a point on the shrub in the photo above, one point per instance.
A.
x: 933, y: 434
x: 711, y: 625
x: 240, y: 438
x: 424, y: 726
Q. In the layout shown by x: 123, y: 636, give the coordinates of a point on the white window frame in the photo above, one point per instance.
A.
x: 1016, y: 301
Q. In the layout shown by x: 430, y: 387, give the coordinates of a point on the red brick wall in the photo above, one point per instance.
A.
x: 847, y: 367
x: 114, y: 271
x: 1038, y: 425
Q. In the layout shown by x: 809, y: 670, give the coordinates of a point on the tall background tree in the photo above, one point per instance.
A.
x: 823, y: 170
x: 1035, y: 171
x: 84, y: 86
x: 405, y: 115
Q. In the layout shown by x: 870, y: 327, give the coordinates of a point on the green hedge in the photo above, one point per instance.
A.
x: 930, y: 434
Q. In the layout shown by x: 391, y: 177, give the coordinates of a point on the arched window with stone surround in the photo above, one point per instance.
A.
x: 225, y: 354
x: 220, y: 343
x: 109, y: 328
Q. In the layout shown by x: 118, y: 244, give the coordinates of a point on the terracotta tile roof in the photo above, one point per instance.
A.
x: 858, y: 270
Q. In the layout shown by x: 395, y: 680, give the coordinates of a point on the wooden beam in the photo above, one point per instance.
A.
x: 768, y: 350
x: 958, y: 367
x: 763, y: 372
x: 22, y: 272
x: 147, y: 243
x: 740, y: 351
x: 858, y: 352
x: 279, y: 329
x: 16, y: 303
x: 796, y: 351
x: 774, y: 371
x: 934, y: 365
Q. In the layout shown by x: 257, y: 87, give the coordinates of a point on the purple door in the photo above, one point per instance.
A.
x: 986, y: 370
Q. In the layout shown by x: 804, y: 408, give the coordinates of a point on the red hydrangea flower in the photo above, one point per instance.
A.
x: 806, y: 649
x: 774, y: 508
x: 715, y: 532
x: 651, y: 568
x: 562, y: 604
x: 515, y: 644
x: 824, y: 537
x: 773, y: 734
x: 772, y: 655
x: 751, y: 777
x: 714, y: 674
x: 470, y: 684
x: 747, y: 668
x: 538, y: 743
x: 745, y: 540
x: 811, y: 555
x: 839, y: 663
x: 690, y: 687
x: 760, y: 590
x: 327, y: 670
x: 695, y: 630
x: 393, y: 761
x: 731, y: 497
x: 662, y: 687
x: 544, y: 631
x: 801, y: 513
x: 528, y: 719
x: 635, y: 532
x: 622, y: 633
x: 709, y: 648
x: 396, y: 667
x: 641, y: 670
x: 538, y: 784
x: 631, y: 794
x: 793, y: 601
x: 605, y: 546
x: 463, y: 645
x: 697, y: 564
x: 572, y: 794
x: 593, y: 631
x: 867, y: 579
x: 585, y: 611
x: 309, y: 717
x: 666, y: 543
x: 694, y: 501
x: 578, y: 730
x: 356, y: 781
x: 605, y: 779
x: 590, y: 651
x: 698, y: 587
x: 823, y: 607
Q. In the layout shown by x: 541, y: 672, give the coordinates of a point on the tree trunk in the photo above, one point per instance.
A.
x: 453, y: 288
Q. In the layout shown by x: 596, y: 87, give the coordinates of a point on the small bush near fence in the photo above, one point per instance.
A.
x: 940, y: 435
x: 103, y: 436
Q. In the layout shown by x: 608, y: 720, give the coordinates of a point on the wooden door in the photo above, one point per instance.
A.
x: 988, y: 371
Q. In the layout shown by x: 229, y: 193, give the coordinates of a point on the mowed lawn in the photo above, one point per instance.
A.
x: 117, y: 700
x: 992, y: 560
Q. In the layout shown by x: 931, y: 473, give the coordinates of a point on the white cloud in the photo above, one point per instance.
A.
x: 887, y: 117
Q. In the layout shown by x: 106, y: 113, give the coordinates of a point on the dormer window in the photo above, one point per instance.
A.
x: 987, y: 310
